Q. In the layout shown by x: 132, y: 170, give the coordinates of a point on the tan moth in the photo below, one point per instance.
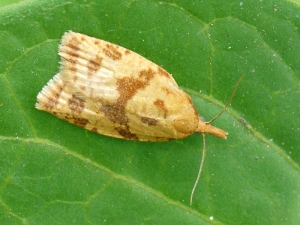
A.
x: 111, y: 90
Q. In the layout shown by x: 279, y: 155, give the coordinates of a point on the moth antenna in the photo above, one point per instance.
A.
x: 200, y: 169
x: 204, y: 140
x: 229, y: 101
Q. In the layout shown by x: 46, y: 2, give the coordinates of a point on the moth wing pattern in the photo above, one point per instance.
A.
x: 113, y: 91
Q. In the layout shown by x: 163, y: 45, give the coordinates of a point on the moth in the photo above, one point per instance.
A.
x: 113, y: 91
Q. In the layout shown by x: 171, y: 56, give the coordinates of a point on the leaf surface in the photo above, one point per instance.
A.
x: 52, y: 172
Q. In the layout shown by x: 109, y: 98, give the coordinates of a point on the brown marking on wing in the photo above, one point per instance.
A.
x: 112, y: 52
x: 127, y: 88
x: 73, y: 44
x: 71, y: 60
x: 74, y: 78
x: 149, y: 121
x: 82, y: 88
x: 189, y: 100
x: 94, y: 130
x: 127, y: 52
x: 50, y: 103
x: 93, y: 65
x: 72, y: 68
x: 115, y: 114
x: 160, y: 104
x: 162, y: 72
x: 52, y: 100
x: 126, y: 133
x: 167, y: 90
x: 76, y: 104
x: 82, y: 122
x: 72, y: 55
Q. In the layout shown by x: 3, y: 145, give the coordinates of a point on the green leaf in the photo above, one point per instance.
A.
x: 52, y: 172
x: 8, y: 2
